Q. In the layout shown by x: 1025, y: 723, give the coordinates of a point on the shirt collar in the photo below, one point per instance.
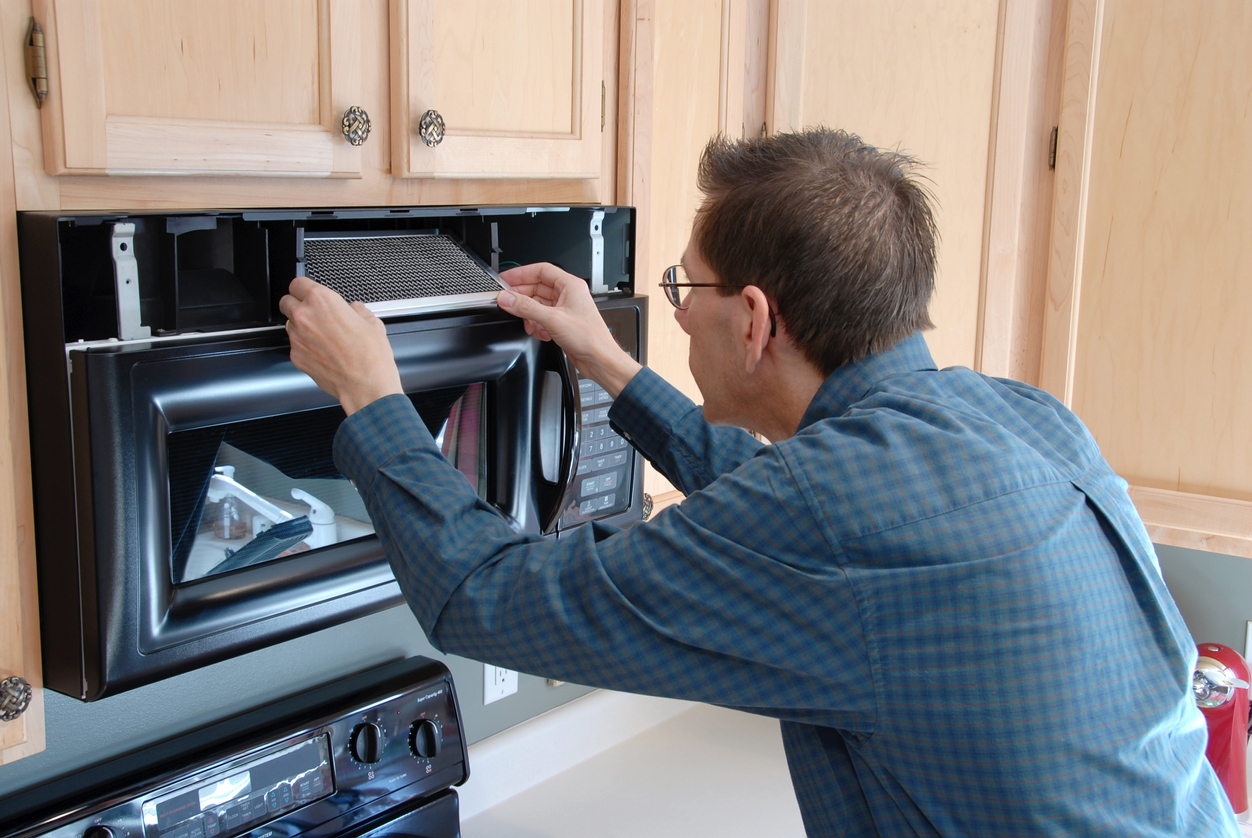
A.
x: 847, y: 385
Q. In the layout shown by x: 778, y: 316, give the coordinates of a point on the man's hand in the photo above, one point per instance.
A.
x: 557, y: 306
x: 342, y: 347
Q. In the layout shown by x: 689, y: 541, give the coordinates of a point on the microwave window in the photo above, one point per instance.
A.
x: 250, y: 492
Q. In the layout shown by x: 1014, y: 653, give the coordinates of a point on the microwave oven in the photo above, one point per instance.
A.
x: 187, y: 508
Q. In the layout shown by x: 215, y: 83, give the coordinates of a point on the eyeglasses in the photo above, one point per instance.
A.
x: 671, y: 285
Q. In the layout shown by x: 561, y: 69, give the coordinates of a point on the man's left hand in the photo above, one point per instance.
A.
x: 342, y: 347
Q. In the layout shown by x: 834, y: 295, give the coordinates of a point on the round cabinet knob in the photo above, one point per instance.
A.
x: 356, y: 125
x: 15, y: 695
x: 366, y: 743
x: 425, y: 739
x: 430, y: 128
x: 98, y: 832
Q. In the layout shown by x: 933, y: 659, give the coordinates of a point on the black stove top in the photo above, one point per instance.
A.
x: 372, y: 755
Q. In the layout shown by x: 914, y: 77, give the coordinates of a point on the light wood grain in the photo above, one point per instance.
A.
x: 523, y: 78
x: 1019, y: 188
x: 688, y: 48
x: 142, y: 87
x: 756, y: 69
x: 784, y: 94
x: 215, y: 66
x: 370, y: 32
x: 1069, y: 201
x: 1161, y: 370
x: 1197, y: 522
x: 917, y: 76
x: 547, y: 128
x: 19, y: 609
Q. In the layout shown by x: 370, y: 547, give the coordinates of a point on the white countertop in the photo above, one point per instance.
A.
x: 611, y: 764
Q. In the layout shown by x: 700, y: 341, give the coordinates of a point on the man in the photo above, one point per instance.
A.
x: 931, y: 578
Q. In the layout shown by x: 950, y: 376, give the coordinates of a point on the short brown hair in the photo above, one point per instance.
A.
x: 837, y: 233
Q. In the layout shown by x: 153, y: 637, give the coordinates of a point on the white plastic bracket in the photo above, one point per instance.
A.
x: 126, y: 277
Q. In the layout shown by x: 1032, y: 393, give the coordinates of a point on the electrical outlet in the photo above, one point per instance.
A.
x: 498, y: 683
x: 1247, y: 641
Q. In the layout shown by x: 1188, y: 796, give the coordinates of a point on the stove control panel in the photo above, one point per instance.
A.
x: 329, y: 776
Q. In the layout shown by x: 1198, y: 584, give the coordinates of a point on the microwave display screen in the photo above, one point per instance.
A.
x: 249, y: 492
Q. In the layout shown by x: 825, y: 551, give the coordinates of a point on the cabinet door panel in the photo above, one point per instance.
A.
x: 1146, y: 332
x: 230, y: 87
x: 518, y: 86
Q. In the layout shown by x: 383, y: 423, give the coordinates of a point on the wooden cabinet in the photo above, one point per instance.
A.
x: 1150, y: 283
x: 176, y: 95
x: 506, y: 89
x: 19, y: 613
x: 247, y: 87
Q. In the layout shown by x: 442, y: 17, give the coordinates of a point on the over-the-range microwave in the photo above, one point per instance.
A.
x: 187, y: 507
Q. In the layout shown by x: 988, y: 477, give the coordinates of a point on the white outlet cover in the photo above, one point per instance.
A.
x: 1247, y: 641
x: 498, y: 683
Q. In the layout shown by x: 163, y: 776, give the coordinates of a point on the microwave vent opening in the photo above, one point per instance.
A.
x: 387, y: 269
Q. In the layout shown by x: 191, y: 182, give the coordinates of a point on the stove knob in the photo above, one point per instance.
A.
x: 98, y: 832
x: 366, y: 743
x: 425, y: 739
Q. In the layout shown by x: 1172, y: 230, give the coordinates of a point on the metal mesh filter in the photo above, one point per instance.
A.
x: 385, y: 268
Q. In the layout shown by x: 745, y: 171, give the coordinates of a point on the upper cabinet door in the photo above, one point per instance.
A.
x: 177, y: 87
x: 1150, y: 283
x: 507, y: 89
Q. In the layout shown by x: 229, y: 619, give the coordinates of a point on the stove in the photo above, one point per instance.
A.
x: 373, y: 755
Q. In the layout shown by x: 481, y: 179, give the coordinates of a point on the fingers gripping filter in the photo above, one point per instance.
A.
x: 408, y: 272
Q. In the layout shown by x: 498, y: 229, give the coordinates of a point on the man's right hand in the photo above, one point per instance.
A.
x: 557, y: 306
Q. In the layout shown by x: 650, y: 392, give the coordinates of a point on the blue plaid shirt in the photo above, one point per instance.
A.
x: 937, y: 585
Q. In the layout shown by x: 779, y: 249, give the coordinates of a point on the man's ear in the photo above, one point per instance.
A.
x: 758, y: 336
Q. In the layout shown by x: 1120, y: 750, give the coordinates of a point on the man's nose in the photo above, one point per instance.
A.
x: 680, y: 314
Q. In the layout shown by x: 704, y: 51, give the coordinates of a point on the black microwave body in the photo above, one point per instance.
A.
x: 187, y: 506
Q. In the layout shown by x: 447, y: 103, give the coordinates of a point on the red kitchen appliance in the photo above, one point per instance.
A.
x: 1220, y: 684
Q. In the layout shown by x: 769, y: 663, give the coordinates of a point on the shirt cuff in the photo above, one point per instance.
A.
x: 647, y: 411
x: 377, y: 434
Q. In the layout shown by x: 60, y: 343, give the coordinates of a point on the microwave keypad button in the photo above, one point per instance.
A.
x: 607, y: 501
x: 602, y: 414
x: 583, y: 467
x: 617, y: 459
x: 590, y: 486
x: 587, y: 507
x: 608, y: 481
x: 603, y: 396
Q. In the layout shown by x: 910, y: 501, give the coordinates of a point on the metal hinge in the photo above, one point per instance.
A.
x: 1052, y: 148
x: 603, y: 93
x: 36, y: 63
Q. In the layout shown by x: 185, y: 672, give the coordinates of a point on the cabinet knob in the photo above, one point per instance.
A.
x: 356, y: 125
x: 430, y: 128
x: 15, y: 696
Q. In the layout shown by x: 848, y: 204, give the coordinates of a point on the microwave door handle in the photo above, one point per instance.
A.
x: 561, y: 425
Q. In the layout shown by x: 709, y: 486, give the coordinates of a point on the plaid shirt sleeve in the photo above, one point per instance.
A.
x: 705, y: 602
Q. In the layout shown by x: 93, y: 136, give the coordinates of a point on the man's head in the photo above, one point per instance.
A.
x: 837, y: 234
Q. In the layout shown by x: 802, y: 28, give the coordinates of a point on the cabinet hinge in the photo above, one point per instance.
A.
x: 603, y: 93
x: 36, y: 63
x: 1052, y: 148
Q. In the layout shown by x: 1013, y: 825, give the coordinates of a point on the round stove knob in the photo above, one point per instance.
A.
x: 366, y: 743
x: 98, y: 832
x: 425, y: 739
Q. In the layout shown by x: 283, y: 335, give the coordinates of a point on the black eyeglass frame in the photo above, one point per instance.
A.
x: 670, y: 285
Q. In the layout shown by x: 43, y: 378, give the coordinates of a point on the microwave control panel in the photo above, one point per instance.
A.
x: 605, y: 459
x: 608, y: 468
